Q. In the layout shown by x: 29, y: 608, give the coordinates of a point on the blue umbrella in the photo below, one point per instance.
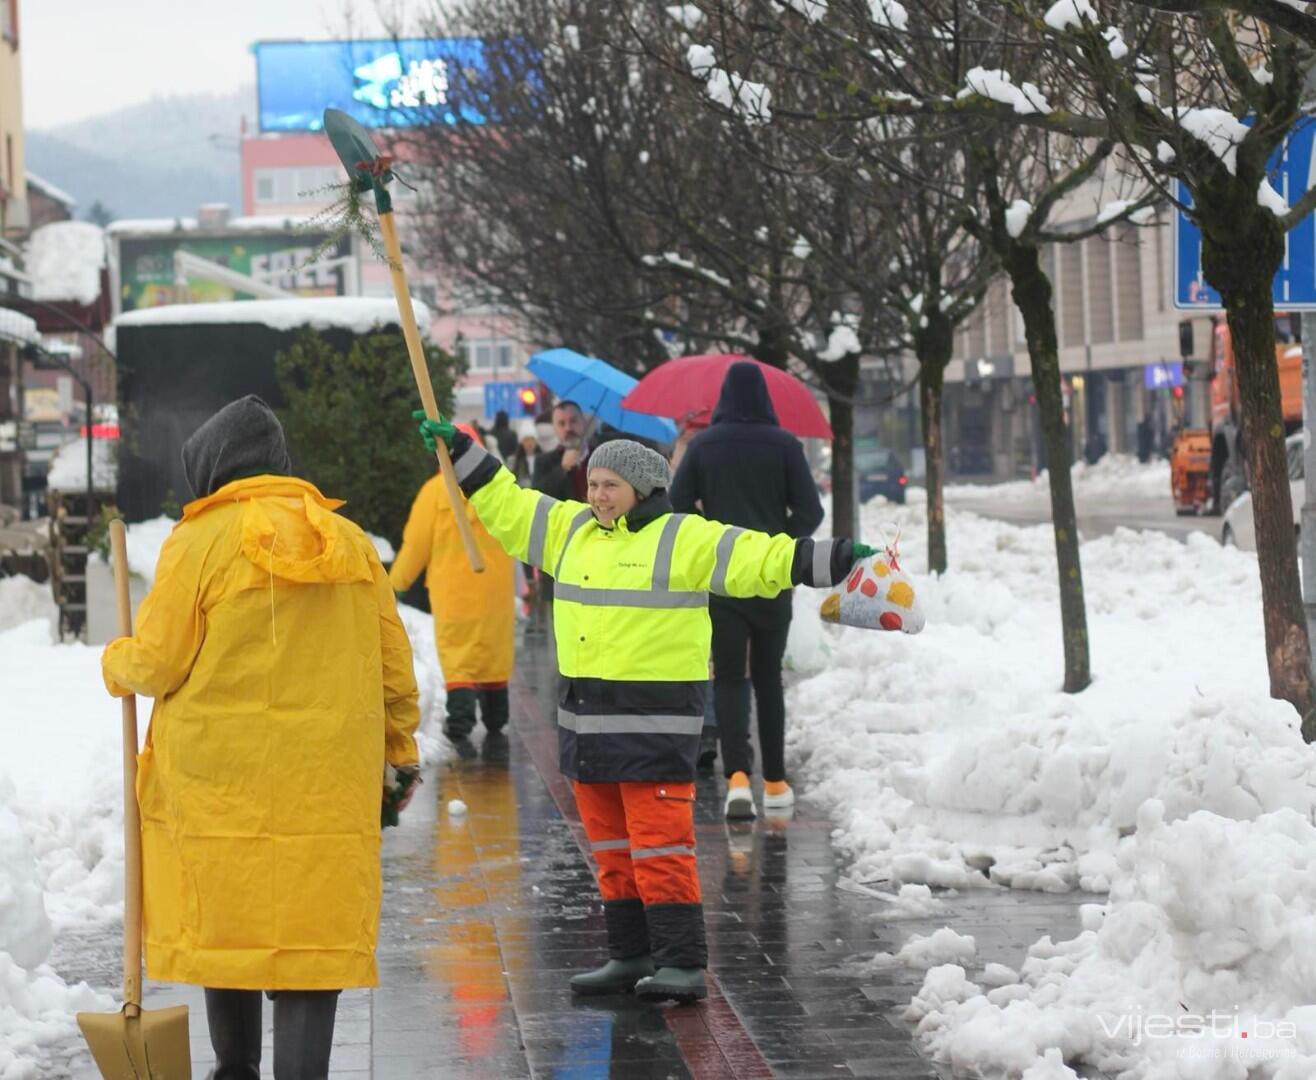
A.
x: 598, y: 387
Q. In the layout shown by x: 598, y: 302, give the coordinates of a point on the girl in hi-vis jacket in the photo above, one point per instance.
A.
x: 632, y: 628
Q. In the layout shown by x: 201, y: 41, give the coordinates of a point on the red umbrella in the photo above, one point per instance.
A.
x: 687, y: 390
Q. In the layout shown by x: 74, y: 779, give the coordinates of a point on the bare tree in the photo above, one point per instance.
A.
x: 1204, y: 94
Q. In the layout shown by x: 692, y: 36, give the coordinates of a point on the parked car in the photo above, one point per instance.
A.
x: 1239, y: 529
x: 880, y: 473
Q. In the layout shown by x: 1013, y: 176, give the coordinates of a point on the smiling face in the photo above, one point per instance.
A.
x: 610, y: 497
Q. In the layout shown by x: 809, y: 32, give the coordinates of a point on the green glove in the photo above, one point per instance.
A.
x: 434, y: 430
x: 862, y: 551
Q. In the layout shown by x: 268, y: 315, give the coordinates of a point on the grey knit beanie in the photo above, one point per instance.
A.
x: 642, y: 468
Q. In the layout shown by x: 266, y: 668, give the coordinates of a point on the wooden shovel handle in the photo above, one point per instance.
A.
x: 388, y: 228
x: 132, y: 824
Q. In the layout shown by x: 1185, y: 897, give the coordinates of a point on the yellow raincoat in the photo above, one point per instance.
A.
x: 282, y: 680
x: 474, y: 614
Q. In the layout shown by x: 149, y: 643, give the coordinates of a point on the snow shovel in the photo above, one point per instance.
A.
x: 134, y: 1043
x: 368, y: 170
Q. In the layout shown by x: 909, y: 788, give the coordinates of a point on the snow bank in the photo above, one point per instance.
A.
x: 1202, y: 967
x: 1174, y: 783
x: 68, y: 467
x: 1114, y: 475
x: 360, y: 314
x: 953, y: 759
x: 65, y: 259
x: 22, y: 600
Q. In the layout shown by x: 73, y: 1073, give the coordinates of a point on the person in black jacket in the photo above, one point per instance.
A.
x: 746, y: 470
x: 504, y: 435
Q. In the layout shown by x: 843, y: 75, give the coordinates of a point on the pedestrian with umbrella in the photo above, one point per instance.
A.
x: 745, y: 470
x: 632, y: 633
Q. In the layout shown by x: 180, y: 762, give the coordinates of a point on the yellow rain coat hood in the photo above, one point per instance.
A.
x: 283, y: 681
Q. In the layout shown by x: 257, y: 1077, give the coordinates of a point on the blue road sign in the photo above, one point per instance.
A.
x: 1295, y: 281
x: 505, y: 396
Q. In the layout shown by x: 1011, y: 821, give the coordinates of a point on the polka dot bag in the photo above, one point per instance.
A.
x: 877, y: 595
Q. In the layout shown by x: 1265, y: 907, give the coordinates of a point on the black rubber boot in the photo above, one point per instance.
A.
x: 495, y: 709
x: 460, y: 721
x: 234, y: 1019
x: 682, y: 985
x: 614, y: 977
x: 707, y: 749
x: 303, y: 1033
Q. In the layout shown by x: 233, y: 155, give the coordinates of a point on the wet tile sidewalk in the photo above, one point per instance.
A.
x: 487, y: 913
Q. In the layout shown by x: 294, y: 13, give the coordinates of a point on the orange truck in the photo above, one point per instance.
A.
x: 1207, y: 466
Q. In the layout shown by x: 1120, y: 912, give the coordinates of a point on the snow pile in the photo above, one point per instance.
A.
x: 22, y: 600
x: 889, y: 14
x: 1222, y: 132
x: 1016, y: 217
x: 15, y: 326
x: 995, y: 84
x: 1069, y: 14
x: 953, y: 759
x: 751, y: 101
x: 1204, y: 957
x: 65, y: 259
x: 1113, y: 476
x: 68, y: 467
x: 360, y: 314
x: 1174, y: 783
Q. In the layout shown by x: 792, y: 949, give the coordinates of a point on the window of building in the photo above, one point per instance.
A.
x: 489, y: 355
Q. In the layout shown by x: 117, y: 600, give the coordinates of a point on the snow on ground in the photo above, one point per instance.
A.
x: 1174, y: 782
x: 61, y: 818
x: 1114, y: 475
x: 68, y: 466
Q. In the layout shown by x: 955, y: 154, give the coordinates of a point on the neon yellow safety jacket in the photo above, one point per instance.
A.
x: 630, y: 612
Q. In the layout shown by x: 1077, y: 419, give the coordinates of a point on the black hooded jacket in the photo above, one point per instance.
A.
x: 745, y: 469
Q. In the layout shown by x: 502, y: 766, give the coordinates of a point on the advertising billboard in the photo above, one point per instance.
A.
x: 146, y: 266
x: 383, y: 83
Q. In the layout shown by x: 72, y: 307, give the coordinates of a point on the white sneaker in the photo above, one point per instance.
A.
x: 740, y: 799
x: 777, y: 795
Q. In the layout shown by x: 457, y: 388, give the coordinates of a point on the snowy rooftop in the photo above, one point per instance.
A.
x: 65, y: 259
x: 255, y: 223
x: 360, y: 314
x: 15, y: 326
x: 50, y: 190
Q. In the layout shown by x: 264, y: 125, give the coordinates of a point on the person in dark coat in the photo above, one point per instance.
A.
x: 746, y: 470
x: 504, y: 435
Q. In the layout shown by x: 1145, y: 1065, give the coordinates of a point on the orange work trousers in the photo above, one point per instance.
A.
x: 642, y: 835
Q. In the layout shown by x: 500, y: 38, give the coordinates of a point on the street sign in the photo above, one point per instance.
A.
x: 1295, y: 281
x: 506, y: 397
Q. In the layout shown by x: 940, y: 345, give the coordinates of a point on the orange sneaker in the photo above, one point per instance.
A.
x: 740, y: 800
x: 777, y: 794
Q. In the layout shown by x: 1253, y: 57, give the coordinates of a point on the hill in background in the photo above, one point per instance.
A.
x: 163, y: 158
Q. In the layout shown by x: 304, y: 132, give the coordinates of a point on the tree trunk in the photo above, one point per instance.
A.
x: 1032, y: 294
x: 843, y: 377
x: 1242, y: 247
x: 933, y: 345
x: 1251, y: 315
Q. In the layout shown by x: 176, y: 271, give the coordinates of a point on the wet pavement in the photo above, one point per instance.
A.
x: 488, y: 912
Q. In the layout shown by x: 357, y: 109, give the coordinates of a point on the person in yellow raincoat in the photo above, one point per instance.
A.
x: 474, y: 614
x: 284, y: 692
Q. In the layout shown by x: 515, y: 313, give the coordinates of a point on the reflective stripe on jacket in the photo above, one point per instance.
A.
x: 631, y: 613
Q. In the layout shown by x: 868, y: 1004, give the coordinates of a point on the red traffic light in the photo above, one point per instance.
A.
x: 528, y: 397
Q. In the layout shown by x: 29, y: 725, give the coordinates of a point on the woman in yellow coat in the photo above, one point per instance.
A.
x: 283, y: 684
x: 474, y: 614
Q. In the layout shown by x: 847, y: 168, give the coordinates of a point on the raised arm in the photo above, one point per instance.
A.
x: 731, y: 561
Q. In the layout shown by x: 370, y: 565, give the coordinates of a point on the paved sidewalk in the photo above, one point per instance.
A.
x: 486, y: 915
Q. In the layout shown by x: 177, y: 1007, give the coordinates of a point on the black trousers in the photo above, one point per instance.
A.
x: 303, y: 1033
x: 756, y: 629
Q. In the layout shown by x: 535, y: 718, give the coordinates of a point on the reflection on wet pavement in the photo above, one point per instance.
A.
x: 487, y: 914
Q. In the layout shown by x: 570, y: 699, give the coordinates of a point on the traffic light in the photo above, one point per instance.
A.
x: 529, y: 398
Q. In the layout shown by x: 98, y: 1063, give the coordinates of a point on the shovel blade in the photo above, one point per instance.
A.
x: 151, y: 1046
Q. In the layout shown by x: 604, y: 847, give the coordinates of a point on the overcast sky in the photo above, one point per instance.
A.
x: 85, y: 57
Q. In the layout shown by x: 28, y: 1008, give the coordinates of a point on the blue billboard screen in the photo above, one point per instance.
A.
x: 382, y: 83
